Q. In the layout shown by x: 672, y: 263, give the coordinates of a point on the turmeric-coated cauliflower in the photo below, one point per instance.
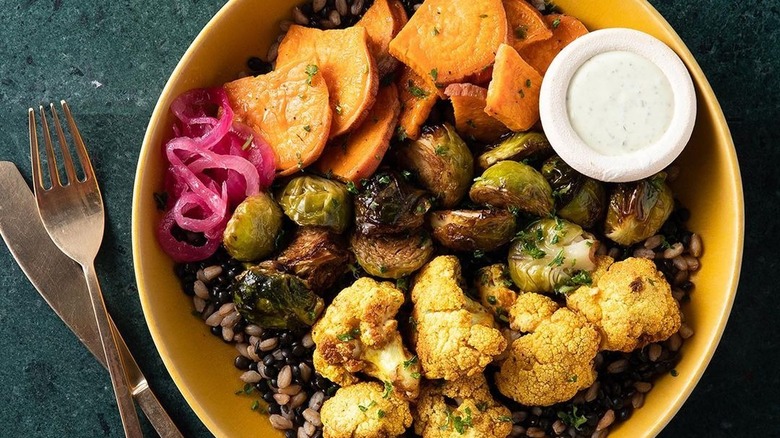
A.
x: 454, y: 336
x: 493, y: 287
x: 631, y: 304
x: 460, y: 408
x: 357, y: 333
x: 552, y: 363
x: 365, y: 410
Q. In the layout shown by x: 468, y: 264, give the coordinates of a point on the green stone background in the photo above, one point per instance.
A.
x: 110, y: 59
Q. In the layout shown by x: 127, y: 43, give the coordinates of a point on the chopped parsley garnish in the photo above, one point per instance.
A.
x: 504, y: 418
x: 521, y: 93
x: 573, y: 418
x: 307, y: 128
x: 580, y: 278
x: 532, y: 250
x: 435, y: 74
x: 461, y: 423
x: 521, y: 32
x: 384, y: 179
x: 556, y: 23
x: 365, y: 408
x: 416, y: 91
x: 674, y: 373
x: 351, y: 188
x: 311, y: 70
x: 255, y: 405
x: 350, y: 335
x: 338, y: 109
x: 402, y: 284
x: 388, y: 389
x: 482, y: 406
x: 410, y: 362
x: 380, y: 414
x: 492, y: 300
x: 528, y: 83
x: 558, y: 260
x: 572, y: 378
x: 440, y: 150
x: 415, y: 375
x: 400, y: 133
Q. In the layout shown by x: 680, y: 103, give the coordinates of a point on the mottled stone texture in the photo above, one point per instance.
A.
x: 111, y: 60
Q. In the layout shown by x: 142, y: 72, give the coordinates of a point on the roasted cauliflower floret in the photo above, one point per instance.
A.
x: 552, y: 363
x: 631, y: 304
x: 493, y: 285
x: 365, y: 410
x: 358, y: 333
x: 460, y: 408
x: 454, y: 336
x: 529, y: 310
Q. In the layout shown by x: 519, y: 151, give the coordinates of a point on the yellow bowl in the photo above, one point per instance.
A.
x: 710, y: 186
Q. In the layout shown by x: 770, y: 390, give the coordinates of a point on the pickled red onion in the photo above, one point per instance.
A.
x: 214, y: 164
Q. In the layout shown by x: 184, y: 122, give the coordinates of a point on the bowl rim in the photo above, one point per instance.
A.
x: 709, y: 102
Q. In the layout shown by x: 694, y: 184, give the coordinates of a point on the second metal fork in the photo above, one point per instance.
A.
x: 72, y: 213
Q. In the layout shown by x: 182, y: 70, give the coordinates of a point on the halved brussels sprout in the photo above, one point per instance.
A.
x: 441, y: 162
x: 581, y: 200
x: 388, y: 204
x: 513, y: 185
x: 392, y: 256
x: 638, y: 210
x: 275, y: 300
x: 472, y: 230
x: 251, y: 232
x: 316, y: 255
x: 316, y: 201
x: 516, y: 147
x: 548, y: 253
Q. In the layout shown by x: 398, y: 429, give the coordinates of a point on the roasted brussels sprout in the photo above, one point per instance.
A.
x: 316, y: 255
x: 275, y: 300
x: 548, y: 253
x: 251, y: 232
x: 441, y: 162
x: 581, y: 200
x: 516, y: 147
x: 638, y: 210
x: 471, y: 230
x: 387, y: 204
x: 388, y: 256
x: 316, y: 201
x: 514, y: 185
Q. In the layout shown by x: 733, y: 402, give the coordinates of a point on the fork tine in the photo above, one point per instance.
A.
x: 66, y: 158
x: 50, y: 158
x: 81, y: 150
x: 35, y: 158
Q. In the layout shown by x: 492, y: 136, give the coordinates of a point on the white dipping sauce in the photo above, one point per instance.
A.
x: 619, y: 102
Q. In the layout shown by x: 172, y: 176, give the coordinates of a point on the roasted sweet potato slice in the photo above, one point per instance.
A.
x: 526, y: 24
x: 418, y: 96
x: 469, y: 103
x: 356, y: 155
x: 343, y: 58
x: 289, y: 107
x: 565, y: 29
x: 382, y: 21
x: 513, y: 94
x: 449, y: 40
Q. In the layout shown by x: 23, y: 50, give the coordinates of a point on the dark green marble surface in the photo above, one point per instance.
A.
x: 111, y: 60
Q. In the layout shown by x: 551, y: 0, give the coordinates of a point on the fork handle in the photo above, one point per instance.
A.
x: 124, y: 398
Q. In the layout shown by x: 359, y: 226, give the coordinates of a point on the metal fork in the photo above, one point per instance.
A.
x: 72, y: 213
